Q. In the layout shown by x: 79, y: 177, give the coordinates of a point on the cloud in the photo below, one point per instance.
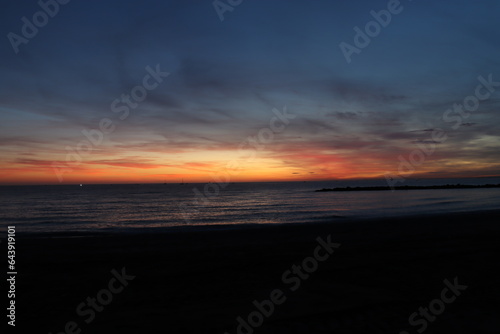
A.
x: 343, y: 115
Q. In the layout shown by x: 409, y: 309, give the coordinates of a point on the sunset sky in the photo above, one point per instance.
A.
x: 229, y: 79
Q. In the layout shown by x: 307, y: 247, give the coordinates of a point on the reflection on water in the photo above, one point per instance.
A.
x: 126, y: 207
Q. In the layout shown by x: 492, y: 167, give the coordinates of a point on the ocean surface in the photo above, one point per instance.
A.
x: 134, y: 207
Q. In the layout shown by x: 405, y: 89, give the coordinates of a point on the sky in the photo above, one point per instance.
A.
x: 171, y: 91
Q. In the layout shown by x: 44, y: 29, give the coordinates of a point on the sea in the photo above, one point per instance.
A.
x: 130, y: 208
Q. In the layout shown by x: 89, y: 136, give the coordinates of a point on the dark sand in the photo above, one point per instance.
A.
x: 189, y: 281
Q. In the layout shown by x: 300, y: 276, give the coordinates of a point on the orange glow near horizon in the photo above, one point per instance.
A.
x: 289, y: 163
x: 260, y: 170
x: 235, y: 171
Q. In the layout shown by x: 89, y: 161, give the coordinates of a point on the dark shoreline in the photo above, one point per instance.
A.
x: 446, y: 186
x: 200, y: 281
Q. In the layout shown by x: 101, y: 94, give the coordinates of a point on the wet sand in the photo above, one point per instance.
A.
x: 201, y: 281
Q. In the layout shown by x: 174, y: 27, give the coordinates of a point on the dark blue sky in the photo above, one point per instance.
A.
x: 227, y: 76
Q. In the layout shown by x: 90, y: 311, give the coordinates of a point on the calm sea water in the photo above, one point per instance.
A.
x: 128, y: 208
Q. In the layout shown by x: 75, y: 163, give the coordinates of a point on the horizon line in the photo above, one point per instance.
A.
x: 276, y: 181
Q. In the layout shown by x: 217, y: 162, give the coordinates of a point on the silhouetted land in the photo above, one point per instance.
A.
x: 446, y: 186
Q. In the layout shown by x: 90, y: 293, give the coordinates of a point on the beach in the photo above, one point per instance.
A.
x: 199, y: 280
